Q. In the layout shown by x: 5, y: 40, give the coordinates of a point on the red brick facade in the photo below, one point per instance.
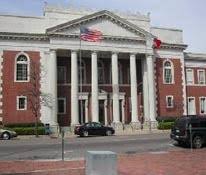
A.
x: 174, y: 89
x: 196, y: 90
x: 11, y: 89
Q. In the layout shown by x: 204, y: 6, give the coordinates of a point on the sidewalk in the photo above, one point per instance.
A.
x: 119, y: 133
x: 154, y: 163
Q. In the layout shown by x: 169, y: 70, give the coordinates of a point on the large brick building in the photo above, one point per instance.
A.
x: 124, y: 79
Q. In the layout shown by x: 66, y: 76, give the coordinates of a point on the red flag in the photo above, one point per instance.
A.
x: 90, y: 35
x: 157, y: 43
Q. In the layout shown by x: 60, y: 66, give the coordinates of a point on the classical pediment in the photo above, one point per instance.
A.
x: 108, y: 23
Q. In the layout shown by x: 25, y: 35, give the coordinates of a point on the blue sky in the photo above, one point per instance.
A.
x: 188, y: 15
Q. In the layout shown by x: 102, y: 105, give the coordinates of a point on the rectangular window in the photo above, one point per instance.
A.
x: 61, y: 74
x: 191, y: 106
x: 169, y: 101
x: 21, y: 72
x: 189, y: 76
x: 168, y: 76
x: 202, y: 105
x: 21, y: 103
x: 201, y: 76
x: 61, y: 105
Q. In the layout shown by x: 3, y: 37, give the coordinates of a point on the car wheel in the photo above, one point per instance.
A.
x: 180, y: 143
x: 197, y: 142
x: 6, y: 136
x: 109, y: 133
x: 85, y: 134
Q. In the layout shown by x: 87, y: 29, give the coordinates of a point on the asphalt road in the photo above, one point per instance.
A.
x: 31, y: 148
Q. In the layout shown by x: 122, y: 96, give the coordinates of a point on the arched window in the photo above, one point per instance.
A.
x: 22, y: 68
x: 100, y: 72
x: 82, y: 72
x: 168, y: 72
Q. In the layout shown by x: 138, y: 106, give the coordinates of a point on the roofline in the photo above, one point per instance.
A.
x: 21, y: 16
x: 165, y: 28
x: 196, y: 56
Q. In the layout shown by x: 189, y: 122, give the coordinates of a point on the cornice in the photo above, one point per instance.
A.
x: 105, y: 37
x: 173, y: 46
x: 23, y: 36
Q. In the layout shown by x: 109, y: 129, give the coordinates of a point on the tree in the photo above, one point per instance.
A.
x: 35, y: 97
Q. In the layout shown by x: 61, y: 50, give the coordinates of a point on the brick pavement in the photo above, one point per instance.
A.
x: 154, y: 163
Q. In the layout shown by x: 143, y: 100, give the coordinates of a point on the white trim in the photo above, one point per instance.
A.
x: 28, y: 67
x: 172, y: 98
x: 198, y: 76
x: 17, y: 103
x: 64, y: 100
x: 184, y: 86
x: 200, y: 105
x: 83, y: 96
x: 189, y: 69
x: 172, y: 71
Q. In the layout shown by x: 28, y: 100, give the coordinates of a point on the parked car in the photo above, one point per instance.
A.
x: 7, y: 134
x: 190, y: 130
x: 93, y: 128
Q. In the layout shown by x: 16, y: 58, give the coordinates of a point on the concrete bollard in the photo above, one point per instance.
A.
x: 101, y: 163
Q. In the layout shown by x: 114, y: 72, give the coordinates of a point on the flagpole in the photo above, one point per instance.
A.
x: 80, y: 62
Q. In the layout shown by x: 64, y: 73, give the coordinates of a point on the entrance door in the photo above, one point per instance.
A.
x: 120, y: 111
x: 101, y: 111
x: 81, y: 111
x: 191, y: 106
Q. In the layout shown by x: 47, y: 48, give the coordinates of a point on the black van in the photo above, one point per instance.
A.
x: 190, y: 124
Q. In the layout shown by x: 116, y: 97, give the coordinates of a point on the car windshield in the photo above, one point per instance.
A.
x: 181, y: 123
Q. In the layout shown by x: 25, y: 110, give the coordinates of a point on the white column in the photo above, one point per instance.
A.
x: 151, y: 88
x: 115, y: 87
x: 133, y: 85
x: 105, y: 112
x: 145, y: 90
x: 74, y: 89
x: 52, y: 88
x: 86, y: 111
x: 95, y: 101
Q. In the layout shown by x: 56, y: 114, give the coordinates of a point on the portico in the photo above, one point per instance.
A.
x: 114, y: 100
x: 101, y: 78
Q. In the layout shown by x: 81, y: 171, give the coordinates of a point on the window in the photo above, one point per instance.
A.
x: 21, y: 103
x: 22, y: 68
x: 82, y: 72
x: 61, y: 105
x: 189, y: 76
x: 201, y: 76
x: 169, y: 101
x: 191, y: 106
x: 100, y: 72
x: 168, y: 72
x: 61, y: 74
x: 202, y: 105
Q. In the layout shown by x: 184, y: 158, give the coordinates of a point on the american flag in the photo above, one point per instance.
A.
x: 90, y: 35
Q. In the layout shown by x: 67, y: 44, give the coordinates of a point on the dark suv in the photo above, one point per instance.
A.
x: 190, y: 129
